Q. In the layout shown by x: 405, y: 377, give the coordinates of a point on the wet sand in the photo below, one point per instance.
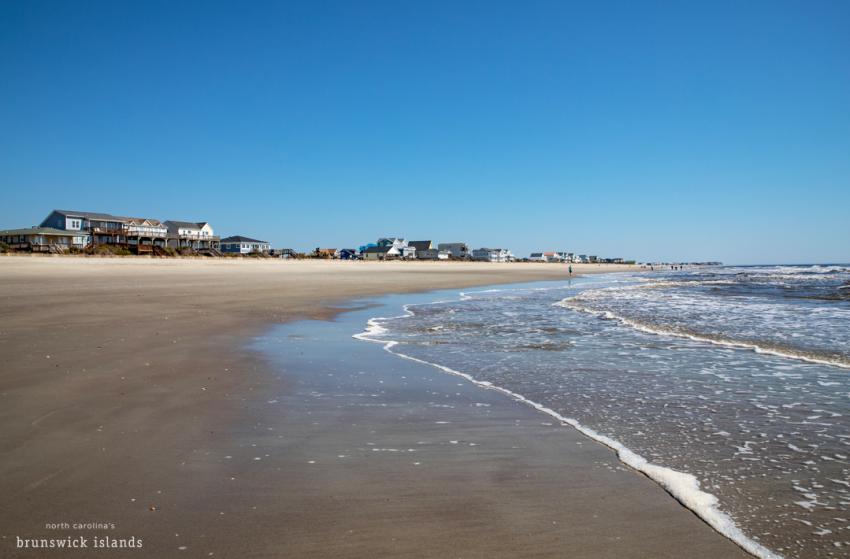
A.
x: 126, y: 384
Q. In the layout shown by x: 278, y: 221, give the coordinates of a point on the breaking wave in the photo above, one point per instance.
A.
x: 821, y: 358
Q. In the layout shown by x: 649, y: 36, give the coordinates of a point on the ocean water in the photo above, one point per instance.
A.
x: 730, y: 386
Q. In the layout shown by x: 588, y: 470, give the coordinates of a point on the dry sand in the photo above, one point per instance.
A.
x: 125, y: 383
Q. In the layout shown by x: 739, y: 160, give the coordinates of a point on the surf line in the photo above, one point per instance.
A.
x: 683, y: 487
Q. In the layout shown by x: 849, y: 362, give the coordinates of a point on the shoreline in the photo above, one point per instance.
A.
x: 123, y: 380
x: 580, y: 489
x: 680, y: 485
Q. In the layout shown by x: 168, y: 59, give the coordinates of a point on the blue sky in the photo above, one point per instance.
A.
x: 668, y: 130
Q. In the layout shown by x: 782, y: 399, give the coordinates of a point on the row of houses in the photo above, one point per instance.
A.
x: 64, y: 230
x: 572, y: 258
x: 388, y: 248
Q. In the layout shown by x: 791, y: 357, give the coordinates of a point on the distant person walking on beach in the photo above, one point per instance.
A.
x: 571, y: 269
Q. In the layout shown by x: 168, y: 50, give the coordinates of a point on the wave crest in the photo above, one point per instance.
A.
x: 821, y: 358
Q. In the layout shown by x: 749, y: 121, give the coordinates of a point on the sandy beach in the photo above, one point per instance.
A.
x: 130, y: 398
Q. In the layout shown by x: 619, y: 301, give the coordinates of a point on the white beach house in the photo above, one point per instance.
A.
x: 194, y: 235
x: 405, y: 250
x: 491, y: 254
x: 456, y: 251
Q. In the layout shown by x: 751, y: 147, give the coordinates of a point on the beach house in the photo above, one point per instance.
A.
x: 425, y: 250
x: 362, y: 248
x: 395, y: 242
x: 44, y: 239
x: 103, y: 224
x: 491, y: 255
x: 381, y: 253
x: 421, y: 247
x: 345, y: 254
x: 283, y: 253
x: 143, y: 234
x: 136, y: 233
x: 456, y: 251
x: 237, y: 244
x: 324, y: 253
x: 538, y: 257
x: 403, y: 247
x: 197, y: 236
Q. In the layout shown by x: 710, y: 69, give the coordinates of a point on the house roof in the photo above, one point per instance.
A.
x: 390, y: 240
x: 91, y: 215
x: 141, y: 220
x: 241, y: 239
x: 107, y: 217
x: 379, y: 250
x: 420, y: 245
x: 50, y: 231
x: 186, y: 224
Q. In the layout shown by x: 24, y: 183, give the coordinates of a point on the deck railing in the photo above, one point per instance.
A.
x: 130, y: 232
x: 197, y: 237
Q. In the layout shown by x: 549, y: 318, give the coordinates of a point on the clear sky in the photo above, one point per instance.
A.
x: 669, y: 130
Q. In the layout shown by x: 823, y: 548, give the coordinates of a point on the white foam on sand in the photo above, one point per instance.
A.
x: 684, y: 487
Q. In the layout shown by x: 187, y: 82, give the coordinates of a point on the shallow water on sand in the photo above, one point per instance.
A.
x: 738, y: 376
